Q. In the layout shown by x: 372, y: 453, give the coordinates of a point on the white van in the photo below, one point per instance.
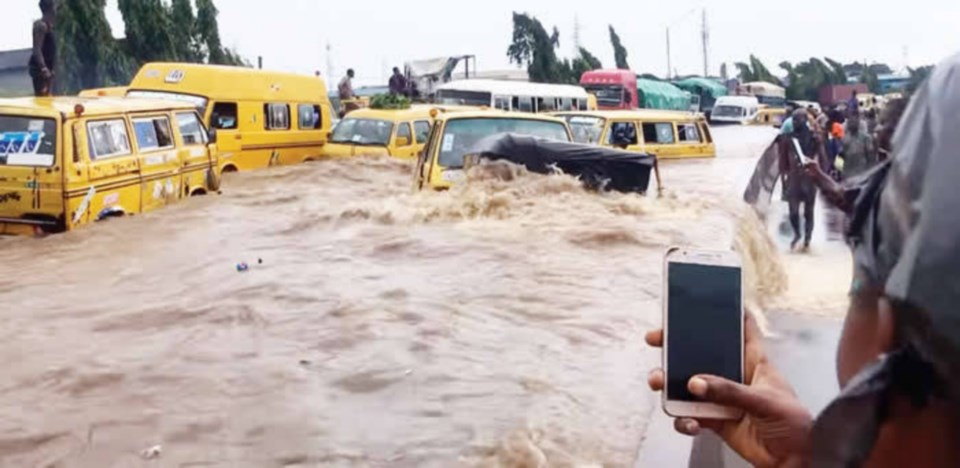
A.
x: 735, y: 110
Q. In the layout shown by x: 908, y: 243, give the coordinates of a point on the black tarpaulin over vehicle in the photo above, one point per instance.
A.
x: 599, y: 168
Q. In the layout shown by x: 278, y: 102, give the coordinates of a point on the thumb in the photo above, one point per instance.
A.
x: 725, y: 392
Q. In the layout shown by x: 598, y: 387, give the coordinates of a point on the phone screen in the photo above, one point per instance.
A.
x: 704, y: 320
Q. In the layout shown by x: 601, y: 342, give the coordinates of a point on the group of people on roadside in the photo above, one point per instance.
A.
x: 898, y: 360
x: 844, y: 143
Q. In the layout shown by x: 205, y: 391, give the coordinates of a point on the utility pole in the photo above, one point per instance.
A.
x: 576, y: 35
x: 331, y: 78
x: 706, y: 41
x: 669, y: 64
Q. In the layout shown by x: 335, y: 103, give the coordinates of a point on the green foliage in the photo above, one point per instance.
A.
x: 806, y: 78
x: 155, y: 31
x: 619, y: 52
x: 149, y: 31
x: 88, y: 55
x: 755, y: 70
x: 870, y: 78
x: 583, y: 63
x: 534, y: 47
x: 389, y: 101
x: 186, y: 46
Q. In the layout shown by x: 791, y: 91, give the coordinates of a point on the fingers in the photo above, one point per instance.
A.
x: 656, y: 380
x: 655, y: 338
x: 751, y: 330
x: 724, y: 392
x: 687, y: 426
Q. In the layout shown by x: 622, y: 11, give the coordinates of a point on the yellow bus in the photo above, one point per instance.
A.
x: 116, y: 91
x: 399, y: 133
x: 440, y: 164
x: 262, y: 118
x: 68, y: 161
x: 666, y: 134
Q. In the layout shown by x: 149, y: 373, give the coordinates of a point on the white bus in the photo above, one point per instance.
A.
x: 735, y: 110
x: 766, y: 93
x: 513, y: 95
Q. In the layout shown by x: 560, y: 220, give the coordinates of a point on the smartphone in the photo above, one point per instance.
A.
x: 702, y: 326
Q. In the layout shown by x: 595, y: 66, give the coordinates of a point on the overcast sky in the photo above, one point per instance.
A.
x: 374, y: 35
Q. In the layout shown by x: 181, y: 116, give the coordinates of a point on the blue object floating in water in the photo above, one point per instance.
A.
x: 242, y: 267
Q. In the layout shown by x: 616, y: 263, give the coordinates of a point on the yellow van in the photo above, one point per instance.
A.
x: 399, y: 133
x: 116, y: 91
x: 440, y: 164
x: 666, y: 134
x: 262, y: 118
x: 66, y: 162
x: 772, y: 116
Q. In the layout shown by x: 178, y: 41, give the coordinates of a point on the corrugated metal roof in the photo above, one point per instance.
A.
x: 14, y: 59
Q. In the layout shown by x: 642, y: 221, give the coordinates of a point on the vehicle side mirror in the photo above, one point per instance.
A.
x: 329, y: 136
x: 212, y: 135
x: 403, y: 141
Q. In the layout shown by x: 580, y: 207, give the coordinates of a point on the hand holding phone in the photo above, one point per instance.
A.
x: 773, y: 426
x: 703, y: 328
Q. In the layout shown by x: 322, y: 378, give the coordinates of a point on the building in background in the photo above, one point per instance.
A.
x: 14, y: 76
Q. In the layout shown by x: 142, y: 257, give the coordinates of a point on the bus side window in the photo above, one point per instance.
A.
x: 276, y: 117
x: 658, y: 133
x: 501, y: 102
x: 689, y: 133
x: 622, y: 134
x: 224, y: 116
x: 524, y: 104
x: 581, y: 104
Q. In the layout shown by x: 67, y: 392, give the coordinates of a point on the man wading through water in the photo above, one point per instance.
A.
x: 798, y: 186
x: 44, y: 57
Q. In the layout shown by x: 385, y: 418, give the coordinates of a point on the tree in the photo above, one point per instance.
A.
x: 619, y: 52
x: 208, y: 32
x: 870, y: 78
x: 185, y: 41
x: 536, y: 49
x: 149, y: 31
x: 755, y: 71
x: 583, y: 63
x: 89, y: 56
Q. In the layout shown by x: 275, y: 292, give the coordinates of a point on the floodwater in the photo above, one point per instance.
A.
x: 498, y: 324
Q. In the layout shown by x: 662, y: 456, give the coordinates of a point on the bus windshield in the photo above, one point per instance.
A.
x: 607, y: 95
x: 729, y: 111
x: 197, y: 101
x: 586, y: 129
x: 363, y: 132
x: 460, y: 135
x: 27, y: 141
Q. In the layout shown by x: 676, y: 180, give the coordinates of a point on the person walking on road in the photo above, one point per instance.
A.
x: 348, y: 98
x: 799, y: 189
x: 898, y: 360
x: 859, y: 153
x: 43, y: 60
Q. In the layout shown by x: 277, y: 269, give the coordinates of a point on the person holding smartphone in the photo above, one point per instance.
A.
x: 898, y: 360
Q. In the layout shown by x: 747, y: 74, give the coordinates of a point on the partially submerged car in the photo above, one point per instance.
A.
x: 455, y: 135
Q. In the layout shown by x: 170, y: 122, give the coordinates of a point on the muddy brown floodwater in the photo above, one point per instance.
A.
x: 499, y: 324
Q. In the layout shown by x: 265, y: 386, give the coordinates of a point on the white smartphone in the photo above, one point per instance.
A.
x: 702, y: 327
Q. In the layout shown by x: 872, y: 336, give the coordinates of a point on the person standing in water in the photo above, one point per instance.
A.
x: 44, y: 57
x: 859, y: 154
x: 799, y: 188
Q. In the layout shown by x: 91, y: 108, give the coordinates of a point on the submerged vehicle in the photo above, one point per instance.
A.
x: 735, y: 110
x: 597, y: 167
x: 66, y: 162
x: 396, y: 132
x: 454, y: 135
x: 263, y: 118
x: 666, y: 134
